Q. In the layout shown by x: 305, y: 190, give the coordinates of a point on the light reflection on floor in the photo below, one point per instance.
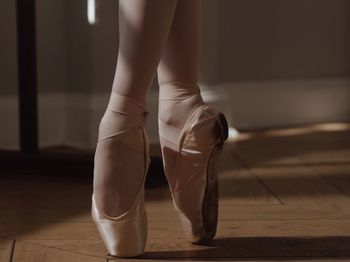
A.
x: 234, y: 134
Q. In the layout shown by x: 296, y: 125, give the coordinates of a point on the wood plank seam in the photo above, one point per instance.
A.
x: 12, y: 250
x: 245, y: 165
x: 312, y: 168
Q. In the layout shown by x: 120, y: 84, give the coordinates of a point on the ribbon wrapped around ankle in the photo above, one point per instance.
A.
x: 122, y: 114
x: 177, y: 90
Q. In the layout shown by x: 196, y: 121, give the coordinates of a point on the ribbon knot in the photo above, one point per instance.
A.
x: 122, y: 114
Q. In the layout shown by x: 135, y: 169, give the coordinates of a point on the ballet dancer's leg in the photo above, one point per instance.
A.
x: 143, y: 28
x: 178, y: 67
x: 191, y: 132
x: 119, y: 168
x: 178, y: 76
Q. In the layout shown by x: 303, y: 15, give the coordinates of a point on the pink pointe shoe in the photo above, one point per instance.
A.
x: 125, y: 235
x: 189, y: 165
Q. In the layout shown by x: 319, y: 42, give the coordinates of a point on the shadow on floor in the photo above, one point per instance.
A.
x: 259, y: 248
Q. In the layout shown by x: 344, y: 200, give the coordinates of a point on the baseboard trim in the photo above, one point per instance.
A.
x: 72, y: 118
x: 267, y: 104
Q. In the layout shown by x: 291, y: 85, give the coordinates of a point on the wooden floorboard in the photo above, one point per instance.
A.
x: 284, y: 194
x: 6, y: 248
x: 301, y: 187
x: 29, y: 252
x: 337, y: 175
x: 228, y: 247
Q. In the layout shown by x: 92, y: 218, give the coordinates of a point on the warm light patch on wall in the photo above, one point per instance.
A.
x: 91, y: 11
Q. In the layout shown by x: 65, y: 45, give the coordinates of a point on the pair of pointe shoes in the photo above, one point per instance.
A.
x: 190, y: 170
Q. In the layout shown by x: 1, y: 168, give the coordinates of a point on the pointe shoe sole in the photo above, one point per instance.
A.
x: 194, y: 181
x: 211, y: 196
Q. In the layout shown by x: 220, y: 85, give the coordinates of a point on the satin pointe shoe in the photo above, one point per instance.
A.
x: 125, y: 235
x: 190, y: 168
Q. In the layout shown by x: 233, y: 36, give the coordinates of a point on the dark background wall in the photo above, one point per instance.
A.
x: 283, y: 39
x: 242, y: 40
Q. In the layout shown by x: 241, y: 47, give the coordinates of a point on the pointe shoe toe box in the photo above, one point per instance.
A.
x: 124, y: 236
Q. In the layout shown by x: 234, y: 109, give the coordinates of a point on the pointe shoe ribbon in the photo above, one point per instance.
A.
x: 130, y: 115
x: 125, y: 235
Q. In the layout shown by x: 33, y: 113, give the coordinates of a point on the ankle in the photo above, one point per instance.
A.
x: 176, y: 102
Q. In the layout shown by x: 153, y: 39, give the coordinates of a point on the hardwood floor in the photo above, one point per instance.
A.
x: 284, y: 194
